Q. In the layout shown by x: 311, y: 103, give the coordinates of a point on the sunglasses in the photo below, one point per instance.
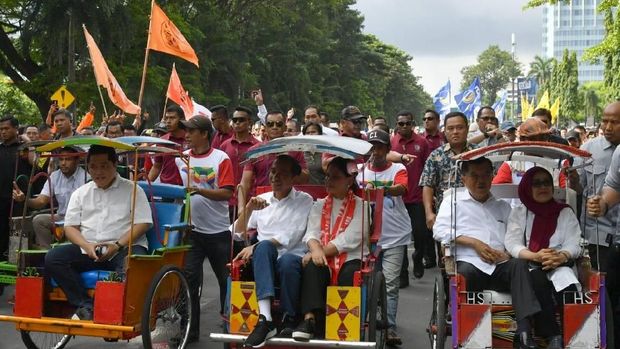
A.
x: 238, y: 120
x: 404, y: 123
x: 542, y: 184
x: 275, y: 123
x: 428, y: 119
x: 488, y: 118
x: 357, y: 121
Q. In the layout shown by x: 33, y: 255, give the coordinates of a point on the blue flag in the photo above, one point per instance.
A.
x: 442, y: 100
x: 469, y: 101
x: 500, y: 106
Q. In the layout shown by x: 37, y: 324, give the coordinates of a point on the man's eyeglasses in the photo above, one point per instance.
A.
x: 428, y: 119
x: 404, y: 123
x: 542, y: 184
x: 357, y: 121
x: 238, y: 120
x: 275, y: 123
x: 488, y: 118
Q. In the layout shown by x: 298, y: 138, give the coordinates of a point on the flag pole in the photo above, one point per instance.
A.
x: 105, y: 110
x: 146, y: 62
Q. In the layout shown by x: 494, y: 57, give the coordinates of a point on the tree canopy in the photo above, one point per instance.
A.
x: 298, y: 52
x: 495, y: 68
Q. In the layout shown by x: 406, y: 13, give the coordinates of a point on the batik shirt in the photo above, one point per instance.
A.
x: 439, y: 173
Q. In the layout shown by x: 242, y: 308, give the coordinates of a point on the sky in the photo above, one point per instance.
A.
x: 443, y: 36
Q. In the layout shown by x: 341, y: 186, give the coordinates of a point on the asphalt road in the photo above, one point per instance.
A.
x: 413, y: 314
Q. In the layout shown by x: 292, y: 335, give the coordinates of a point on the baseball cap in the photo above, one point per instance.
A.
x: 507, y: 126
x: 573, y: 134
x: 377, y: 135
x: 352, y: 113
x: 533, y: 127
x: 198, y: 122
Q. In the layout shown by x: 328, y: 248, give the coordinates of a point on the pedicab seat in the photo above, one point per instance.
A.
x: 89, y: 278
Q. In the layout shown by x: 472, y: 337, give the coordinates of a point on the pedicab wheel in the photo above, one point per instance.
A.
x: 43, y: 340
x: 167, y: 310
x: 377, y: 311
x: 437, y: 325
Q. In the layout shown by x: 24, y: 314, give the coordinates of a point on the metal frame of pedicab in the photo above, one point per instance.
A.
x: 146, y: 277
x: 366, y: 310
x: 486, y: 319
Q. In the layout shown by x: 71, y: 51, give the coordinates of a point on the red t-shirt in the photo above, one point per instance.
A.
x: 236, y: 152
x: 169, y: 173
x: 419, y: 147
x: 262, y: 166
x: 219, y: 139
x: 505, y: 176
x: 435, y: 141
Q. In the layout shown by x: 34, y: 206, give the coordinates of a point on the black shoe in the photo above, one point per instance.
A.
x: 305, y: 331
x: 289, y: 324
x: 262, y: 332
x: 84, y: 313
x: 524, y: 340
x: 554, y: 342
x: 418, y: 266
x: 393, y: 339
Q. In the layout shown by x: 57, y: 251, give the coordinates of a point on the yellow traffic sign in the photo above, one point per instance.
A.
x: 63, y: 97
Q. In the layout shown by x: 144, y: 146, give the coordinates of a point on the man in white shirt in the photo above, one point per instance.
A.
x: 481, y: 257
x: 64, y: 181
x: 313, y: 114
x: 98, y: 223
x: 280, y: 218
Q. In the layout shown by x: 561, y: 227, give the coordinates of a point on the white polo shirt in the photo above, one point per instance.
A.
x: 104, y: 215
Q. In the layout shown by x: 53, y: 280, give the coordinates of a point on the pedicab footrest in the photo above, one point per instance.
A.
x: 289, y: 342
x: 89, y: 278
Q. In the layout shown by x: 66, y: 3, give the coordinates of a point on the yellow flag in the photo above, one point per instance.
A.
x: 555, y: 111
x: 544, y: 101
x: 525, y: 109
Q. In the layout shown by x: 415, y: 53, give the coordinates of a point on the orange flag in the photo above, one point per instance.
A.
x: 165, y: 37
x: 177, y: 94
x: 104, y: 78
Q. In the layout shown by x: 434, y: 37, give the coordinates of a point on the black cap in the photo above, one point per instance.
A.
x: 573, y: 134
x: 352, y: 113
x: 198, y: 122
x: 378, y: 135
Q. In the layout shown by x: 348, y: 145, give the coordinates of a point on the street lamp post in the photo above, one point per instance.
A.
x: 512, y: 79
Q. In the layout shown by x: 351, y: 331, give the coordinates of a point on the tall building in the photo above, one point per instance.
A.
x: 575, y: 25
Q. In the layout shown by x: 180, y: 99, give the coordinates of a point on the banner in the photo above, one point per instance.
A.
x: 442, y: 100
x: 201, y: 110
x: 500, y: 106
x: 104, y: 77
x: 469, y: 101
x: 165, y: 37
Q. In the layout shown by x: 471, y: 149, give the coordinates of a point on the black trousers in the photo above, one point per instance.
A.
x: 545, y: 323
x: 5, y: 208
x: 314, y: 282
x: 422, y: 237
x: 216, y: 248
x: 511, y: 276
x: 609, y: 258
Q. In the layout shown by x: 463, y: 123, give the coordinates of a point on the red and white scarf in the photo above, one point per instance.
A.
x: 344, y: 218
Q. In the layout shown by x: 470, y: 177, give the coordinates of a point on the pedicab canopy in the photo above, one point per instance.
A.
x: 345, y: 147
x: 550, y: 154
x: 122, y: 144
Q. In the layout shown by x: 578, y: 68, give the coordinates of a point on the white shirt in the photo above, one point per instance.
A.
x: 283, y: 220
x: 327, y: 131
x: 485, y: 221
x: 566, y: 237
x: 63, y: 187
x: 104, y: 215
x: 350, y: 240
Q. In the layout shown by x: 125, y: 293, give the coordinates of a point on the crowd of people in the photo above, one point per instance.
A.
x: 526, y: 248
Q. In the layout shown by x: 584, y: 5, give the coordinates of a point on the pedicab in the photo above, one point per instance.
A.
x: 150, y: 298
x: 486, y: 319
x: 355, y: 316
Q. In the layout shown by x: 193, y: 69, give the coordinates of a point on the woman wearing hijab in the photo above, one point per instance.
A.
x: 546, y: 233
x: 334, y: 241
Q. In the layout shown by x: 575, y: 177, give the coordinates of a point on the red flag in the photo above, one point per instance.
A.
x: 177, y: 94
x: 104, y: 77
x: 165, y: 37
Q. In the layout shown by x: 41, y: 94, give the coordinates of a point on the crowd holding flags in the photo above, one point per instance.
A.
x: 178, y: 95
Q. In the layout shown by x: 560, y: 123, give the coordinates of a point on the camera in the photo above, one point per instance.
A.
x: 101, y: 250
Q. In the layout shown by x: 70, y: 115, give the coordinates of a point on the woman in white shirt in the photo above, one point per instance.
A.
x: 334, y: 241
x: 546, y: 233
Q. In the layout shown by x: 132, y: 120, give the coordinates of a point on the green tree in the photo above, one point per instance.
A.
x: 540, y: 69
x: 14, y: 102
x: 298, y: 52
x: 495, y: 68
x: 564, y: 84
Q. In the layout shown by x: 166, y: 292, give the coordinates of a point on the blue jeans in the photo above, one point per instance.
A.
x: 265, y: 263
x: 65, y: 263
x: 390, y: 262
